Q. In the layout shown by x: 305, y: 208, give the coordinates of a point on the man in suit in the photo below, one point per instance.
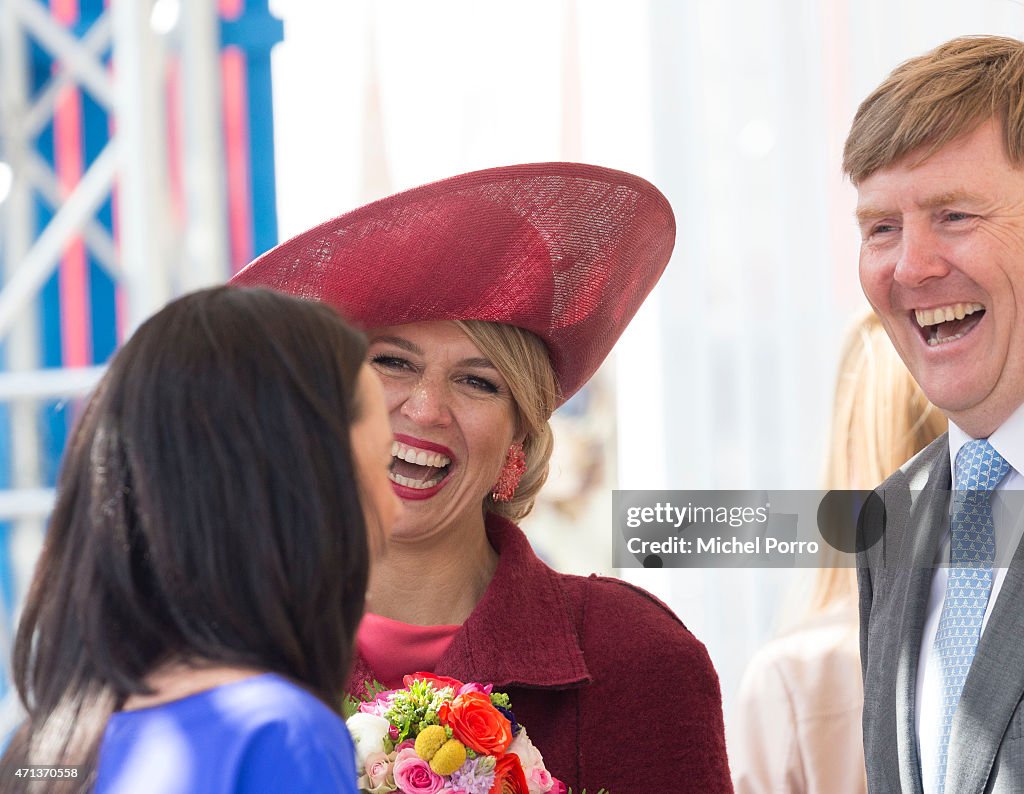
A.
x: 936, y: 153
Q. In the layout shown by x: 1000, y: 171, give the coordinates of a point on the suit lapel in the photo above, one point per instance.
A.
x: 993, y: 687
x: 927, y: 523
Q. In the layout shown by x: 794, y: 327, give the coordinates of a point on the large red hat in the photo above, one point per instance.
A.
x: 565, y: 250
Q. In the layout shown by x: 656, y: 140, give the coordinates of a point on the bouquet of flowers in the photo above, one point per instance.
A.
x: 440, y: 736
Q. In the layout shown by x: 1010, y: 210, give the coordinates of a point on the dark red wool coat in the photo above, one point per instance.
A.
x: 612, y: 688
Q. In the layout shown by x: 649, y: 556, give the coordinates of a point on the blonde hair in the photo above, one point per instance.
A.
x: 880, y: 419
x: 522, y: 359
x: 937, y: 97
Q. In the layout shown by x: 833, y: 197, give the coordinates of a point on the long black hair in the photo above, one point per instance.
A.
x: 207, y: 509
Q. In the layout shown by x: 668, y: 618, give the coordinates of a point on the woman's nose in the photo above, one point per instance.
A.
x: 427, y: 403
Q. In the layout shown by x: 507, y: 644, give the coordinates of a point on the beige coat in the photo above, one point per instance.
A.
x: 797, y: 724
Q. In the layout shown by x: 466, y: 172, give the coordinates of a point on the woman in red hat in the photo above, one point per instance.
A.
x: 489, y: 299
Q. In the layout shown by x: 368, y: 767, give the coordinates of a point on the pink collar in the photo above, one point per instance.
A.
x: 393, y: 649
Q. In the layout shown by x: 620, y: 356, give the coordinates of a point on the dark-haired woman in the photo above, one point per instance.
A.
x: 190, y: 624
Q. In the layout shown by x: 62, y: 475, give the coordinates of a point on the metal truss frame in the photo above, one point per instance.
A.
x: 156, y: 254
x: 146, y: 261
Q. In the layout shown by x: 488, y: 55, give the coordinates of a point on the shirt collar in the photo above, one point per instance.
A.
x: 1007, y: 440
x: 521, y: 633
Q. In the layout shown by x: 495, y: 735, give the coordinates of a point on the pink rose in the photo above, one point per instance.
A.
x: 378, y: 769
x: 538, y: 780
x: 473, y: 687
x: 558, y: 787
x: 414, y: 775
x: 379, y: 705
x: 408, y: 744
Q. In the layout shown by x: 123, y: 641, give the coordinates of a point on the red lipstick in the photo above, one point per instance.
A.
x: 415, y: 494
x: 430, y: 446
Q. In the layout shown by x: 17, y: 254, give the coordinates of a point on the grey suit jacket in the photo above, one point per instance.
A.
x: 986, y: 751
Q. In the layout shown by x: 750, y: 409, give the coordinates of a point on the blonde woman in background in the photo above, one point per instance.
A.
x: 797, y: 723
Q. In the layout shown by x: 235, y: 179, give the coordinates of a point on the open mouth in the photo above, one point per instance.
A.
x: 945, y: 324
x: 417, y: 468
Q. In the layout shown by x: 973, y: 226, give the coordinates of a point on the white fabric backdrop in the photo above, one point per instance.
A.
x: 736, y: 110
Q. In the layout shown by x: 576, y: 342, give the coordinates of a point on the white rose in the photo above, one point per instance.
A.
x: 368, y: 733
x: 537, y: 779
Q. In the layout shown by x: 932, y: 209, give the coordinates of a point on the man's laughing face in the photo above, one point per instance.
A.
x: 942, y: 262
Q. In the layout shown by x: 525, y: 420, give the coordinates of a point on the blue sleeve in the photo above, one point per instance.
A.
x: 280, y: 758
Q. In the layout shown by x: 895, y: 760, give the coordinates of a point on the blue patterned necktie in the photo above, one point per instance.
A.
x: 979, y: 469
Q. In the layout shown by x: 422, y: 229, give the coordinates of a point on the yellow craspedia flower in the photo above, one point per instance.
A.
x: 429, y: 741
x: 450, y: 756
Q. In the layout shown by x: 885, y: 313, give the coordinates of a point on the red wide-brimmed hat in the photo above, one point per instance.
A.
x: 565, y: 250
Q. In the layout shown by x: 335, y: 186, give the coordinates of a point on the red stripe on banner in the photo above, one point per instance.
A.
x: 120, y: 312
x: 73, y: 274
x: 120, y: 299
x: 175, y: 166
x: 236, y: 155
x: 64, y: 11
x: 231, y: 9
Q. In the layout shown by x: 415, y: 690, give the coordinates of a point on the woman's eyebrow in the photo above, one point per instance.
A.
x: 477, y: 362
x: 398, y: 341
x: 411, y: 347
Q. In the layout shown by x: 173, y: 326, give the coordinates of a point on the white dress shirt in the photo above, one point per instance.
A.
x: 1008, y: 520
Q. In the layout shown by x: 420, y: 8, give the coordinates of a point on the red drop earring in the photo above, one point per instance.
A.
x: 511, y: 473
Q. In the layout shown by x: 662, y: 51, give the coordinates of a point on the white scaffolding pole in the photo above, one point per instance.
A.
x: 22, y: 343
x: 22, y: 337
x: 206, y: 245
x: 33, y: 268
x: 67, y: 50
x: 147, y: 262
x: 143, y: 205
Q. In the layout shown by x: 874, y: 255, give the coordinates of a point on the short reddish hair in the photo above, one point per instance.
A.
x: 937, y: 97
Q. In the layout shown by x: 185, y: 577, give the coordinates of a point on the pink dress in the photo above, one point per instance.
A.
x: 395, y: 649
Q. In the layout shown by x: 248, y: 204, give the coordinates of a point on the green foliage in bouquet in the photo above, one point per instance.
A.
x: 350, y: 705
x: 416, y: 707
x: 500, y: 700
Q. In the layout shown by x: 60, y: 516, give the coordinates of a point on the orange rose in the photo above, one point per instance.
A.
x: 477, y: 724
x: 509, y: 777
